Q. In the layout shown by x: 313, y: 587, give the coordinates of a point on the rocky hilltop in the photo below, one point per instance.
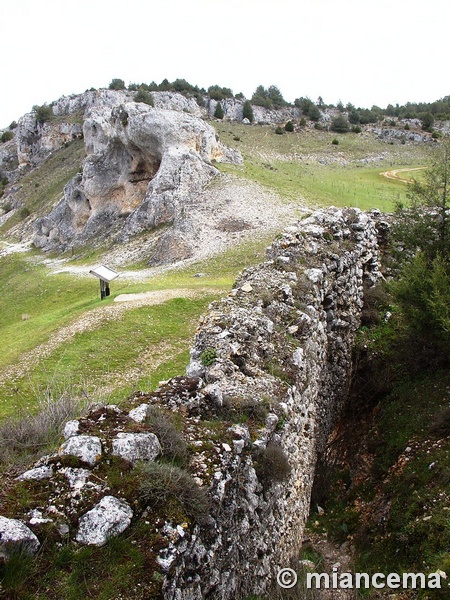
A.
x: 142, y: 168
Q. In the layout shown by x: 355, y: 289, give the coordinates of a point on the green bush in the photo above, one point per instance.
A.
x: 247, y: 112
x: 208, y: 356
x: 356, y: 129
x: 340, y: 124
x: 335, y: 142
x: 161, y: 483
x: 43, y: 113
x: 218, y: 113
x: 24, y: 212
x: 144, y: 97
x: 279, y: 130
x: 117, y: 84
x: 7, y: 135
x: 218, y: 93
x: 289, y: 126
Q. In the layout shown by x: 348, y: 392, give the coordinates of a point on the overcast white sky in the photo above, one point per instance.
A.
x: 361, y: 51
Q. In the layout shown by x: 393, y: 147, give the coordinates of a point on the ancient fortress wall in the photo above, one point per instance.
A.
x: 282, y: 339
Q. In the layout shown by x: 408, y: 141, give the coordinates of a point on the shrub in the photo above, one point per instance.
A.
x: 117, y: 84
x: 427, y: 121
x: 172, y: 442
x: 218, y: 113
x: 440, y: 425
x: 335, y: 142
x: 289, y: 126
x: 302, y: 122
x: 356, y: 129
x: 144, y: 97
x: 247, y: 112
x: 279, y: 130
x: 7, y: 135
x: 43, y: 113
x: 314, y: 113
x: 407, y: 127
x: 208, y: 356
x: 24, y: 436
x: 272, y: 465
x: 13, y: 125
x: 24, y: 212
x: 218, y: 93
x: 161, y: 483
x: 340, y: 124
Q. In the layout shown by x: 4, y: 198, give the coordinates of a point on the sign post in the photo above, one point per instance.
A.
x: 106, y: 275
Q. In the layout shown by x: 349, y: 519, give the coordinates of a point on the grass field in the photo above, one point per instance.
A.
x: 307, y: 166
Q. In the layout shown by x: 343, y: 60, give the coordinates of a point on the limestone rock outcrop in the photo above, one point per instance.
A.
x: 143, y: 167
x: 107, y: 519
x: 16, y: 537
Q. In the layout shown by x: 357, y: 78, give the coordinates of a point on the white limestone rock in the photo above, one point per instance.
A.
x: 76, y: 477
x: 71, y: 428
x: 195, y: 369
x: 43, y: 472
x: 15, y: 537
x: 136, y: 446
x: 109, y: 518
x: 87, y: 448
x: 139, y: 414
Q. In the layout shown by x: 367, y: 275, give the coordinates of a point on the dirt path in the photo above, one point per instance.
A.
x: 89, y: 321
x: 393, y: 174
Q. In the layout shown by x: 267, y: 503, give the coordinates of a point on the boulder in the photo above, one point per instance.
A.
x: 43, y: 472
x: 109, y: 518
x: 136, y: 446
x: 87, y: 448
x: 70, y: 429
x: 16, y: 537
x: 139, y: 414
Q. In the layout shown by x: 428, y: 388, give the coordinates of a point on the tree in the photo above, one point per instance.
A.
x: 7, y: 135
x: 314, y: 113
x: 340, y: 124
x: 276, y: 97
x: 43, y: 113
x: 424, y: 223
x: 117, y: 84
x: 261, y: 97
x: 422, y: 229
x: 218, y: 113
x: 218, y: 93
x: 427, y: 121
x: 247, y: 111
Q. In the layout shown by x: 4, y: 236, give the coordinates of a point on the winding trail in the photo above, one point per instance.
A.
x: 393, y: 174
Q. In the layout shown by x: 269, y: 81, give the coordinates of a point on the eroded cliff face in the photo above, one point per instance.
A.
x: 142, y: 168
